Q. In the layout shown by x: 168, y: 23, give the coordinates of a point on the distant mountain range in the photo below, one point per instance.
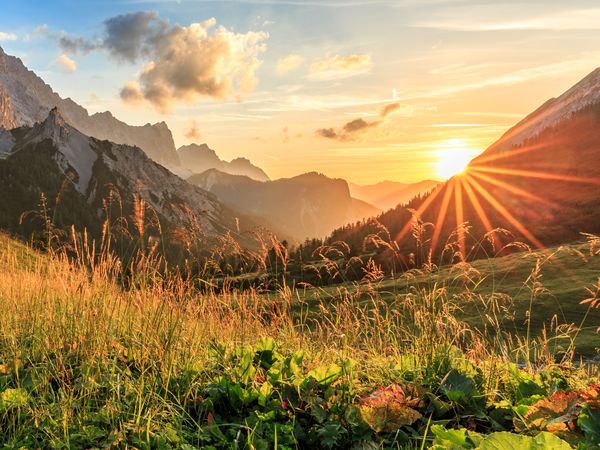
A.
x: 389, y: 194
x: 200, y: 158
x: 25, y: 100
x: 308, y: 205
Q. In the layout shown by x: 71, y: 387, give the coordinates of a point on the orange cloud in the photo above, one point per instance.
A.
x: 334, y: 67
x: 289, y: 63
x: 66, y: 63
x: 193, y: 133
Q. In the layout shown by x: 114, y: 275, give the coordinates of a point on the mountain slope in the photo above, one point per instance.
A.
x: 388, y: 194
x: 85, y: 181
x: 305, y: 206
x: 546, y: 169
x: 200, y: 158
x: 584, y: 94
x: 25, y: 100
x: 540, y: 182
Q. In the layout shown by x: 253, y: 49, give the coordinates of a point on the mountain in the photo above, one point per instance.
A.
x: 307, y: 205
x: 545, y: 170
x: 25, y: 100
x: 388, y: 194
x: 200, y: 158
x: 540, y: 183
x: 86, y: 180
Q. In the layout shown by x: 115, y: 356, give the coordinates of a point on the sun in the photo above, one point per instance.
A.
x: 453, y: 157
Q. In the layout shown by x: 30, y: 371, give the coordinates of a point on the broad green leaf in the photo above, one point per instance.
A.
x: 511, y: 441
x: 330, y: 433
x: 589, y: 422
x: 458, y: 387
x: 326, y: 375
x: 265, y: 352
x: 264, y: 393
x: 454, y: 439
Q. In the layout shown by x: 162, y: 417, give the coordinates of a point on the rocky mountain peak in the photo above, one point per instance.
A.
x: 53, y: 127
x: 25, y: 100
x: 55, y: 119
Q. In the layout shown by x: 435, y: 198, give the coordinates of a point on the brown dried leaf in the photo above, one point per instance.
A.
x: 555, y: 413
x: 388, y: 409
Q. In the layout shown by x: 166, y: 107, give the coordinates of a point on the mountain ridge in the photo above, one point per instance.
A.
x: 306, y: 205
x: 52, y: 155
x: 198, y: 158
x: 25, y: 99
x: 583, y: 93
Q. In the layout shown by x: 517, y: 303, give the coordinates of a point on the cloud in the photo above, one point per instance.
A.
x: 41, y: 29
x: 518, y: 76
x: 353, y: 129
x: 335, y: 67
x: 188, y: 62
x: 66, y: 42
x: 8, y: 36
x: 132, y: 94
x: 193, y: 133
x: 66, y: 64
x: 70, y: 44
x: 182, y: 63
x: 289, y: 63
x: 559, y: 16
x: 37, y: 31
x: 388, y: 109
x: 131, y: 36
x: 328, y: 133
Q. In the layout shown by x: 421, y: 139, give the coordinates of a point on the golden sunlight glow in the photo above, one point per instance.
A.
x: 453, y: 157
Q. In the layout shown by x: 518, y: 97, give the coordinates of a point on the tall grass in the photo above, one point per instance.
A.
x: 103, y: 363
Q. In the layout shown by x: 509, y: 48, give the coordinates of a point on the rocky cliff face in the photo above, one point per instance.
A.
x: 7, y: 117
x: 25, y: 99
x: 200, y: 158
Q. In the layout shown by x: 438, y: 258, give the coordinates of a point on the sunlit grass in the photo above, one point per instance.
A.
x: 102, y: 365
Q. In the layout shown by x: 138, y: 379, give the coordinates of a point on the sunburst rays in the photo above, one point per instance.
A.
x: 473, y: 202
x: 536, y: 174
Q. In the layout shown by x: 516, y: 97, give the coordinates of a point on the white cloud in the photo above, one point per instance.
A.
x: 184, y: 62
x: 8, y: 36
x: 181, y: 63
x: 66, y: 63
x: 37, y: 31
x: 336, y: 67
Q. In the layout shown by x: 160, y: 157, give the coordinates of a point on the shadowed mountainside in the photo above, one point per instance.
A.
x: 306, y: 205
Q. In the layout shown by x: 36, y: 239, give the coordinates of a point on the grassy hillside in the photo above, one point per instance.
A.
x: 547, y: 286
x: 87, y: 363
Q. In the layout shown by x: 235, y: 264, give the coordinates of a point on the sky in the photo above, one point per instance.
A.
x: 366, y: 90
